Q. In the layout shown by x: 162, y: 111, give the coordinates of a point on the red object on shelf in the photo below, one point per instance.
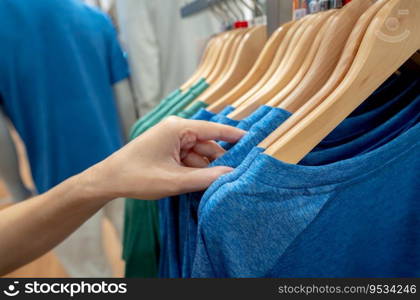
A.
x: 241, y: 24
x: 346, y: 2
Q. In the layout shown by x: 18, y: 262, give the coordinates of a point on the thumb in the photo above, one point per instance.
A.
x: 200, y: 179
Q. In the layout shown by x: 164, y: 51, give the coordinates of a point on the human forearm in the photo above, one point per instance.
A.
x: 30, y: 229
x: 169, y: 159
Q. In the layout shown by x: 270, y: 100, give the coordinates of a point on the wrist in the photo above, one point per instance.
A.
x: 91, y: 186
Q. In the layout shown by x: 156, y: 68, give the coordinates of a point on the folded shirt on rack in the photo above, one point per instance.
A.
x: 249, y: 218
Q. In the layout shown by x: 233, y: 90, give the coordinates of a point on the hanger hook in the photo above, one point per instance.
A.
x: 233, y: 8
x: 259, y: 8
x: 236, y: 3
x: 226, y: 8
x: 247, y: 5
x: 219, y: 13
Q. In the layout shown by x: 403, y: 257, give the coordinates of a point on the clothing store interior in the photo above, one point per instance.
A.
x: 324, y: 183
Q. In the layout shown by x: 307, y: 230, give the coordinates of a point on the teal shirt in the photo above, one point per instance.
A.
x: 192, y: 110
x: 175, y: 106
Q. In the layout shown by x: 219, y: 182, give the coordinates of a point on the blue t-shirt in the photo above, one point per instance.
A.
x: 248, y: 122
x: 369, y: 224
x: 169, y: 212
x: 58, y: 62
x: 178, y: 212
x: 249, y: 220
x: 259, y: 131
x: 222, y: 118
x: 365, y: 143
x: 367, y: 118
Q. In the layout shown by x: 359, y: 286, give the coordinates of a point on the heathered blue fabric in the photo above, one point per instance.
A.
x: 375, y: 209
x: 180, y: 234
x: 222, y: 118
x: 170, y: 221
x: 227, y: 110
x: 359, y: 146
x: 203, y: 114
x: 233, y: 158
x: 393, y: 96
x: 247, y: 123
x: 248, y: 223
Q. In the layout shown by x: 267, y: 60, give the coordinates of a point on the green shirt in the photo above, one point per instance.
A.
x: 154, y: 111
x: 163, y: 103
x: 175, y: 106
x: 192, y: 110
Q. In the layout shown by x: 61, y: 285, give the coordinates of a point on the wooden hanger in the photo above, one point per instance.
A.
x: 391, y: 39
x: 265, y: 59
x: 328, y: 56
x: 206, y: 56
x: 225, y: 54
x: 244, y: 57
x: 218, y: 75
x: 287, y: 69
x: 291, y: 36
x: 220, y: 51
x: 343, y: 66
x: 208, y: 61
x: 314, y: 49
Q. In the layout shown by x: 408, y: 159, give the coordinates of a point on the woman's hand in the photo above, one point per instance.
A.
x: 170, y: 158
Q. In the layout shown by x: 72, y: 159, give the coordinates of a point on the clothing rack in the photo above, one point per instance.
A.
x: 196, y: 7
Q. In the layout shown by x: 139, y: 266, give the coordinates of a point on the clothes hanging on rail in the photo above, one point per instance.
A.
x: 247, y: 221
x: 364, y: 238
x: 62, y: 105
x: 142, y: 254
x: 179, y: 215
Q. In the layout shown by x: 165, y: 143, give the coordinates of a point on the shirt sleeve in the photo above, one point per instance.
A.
x: 117, y: 59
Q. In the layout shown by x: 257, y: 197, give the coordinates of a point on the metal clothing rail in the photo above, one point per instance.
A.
x: 196, y: 7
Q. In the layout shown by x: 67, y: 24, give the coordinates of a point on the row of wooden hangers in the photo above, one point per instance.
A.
x: 319, y: 68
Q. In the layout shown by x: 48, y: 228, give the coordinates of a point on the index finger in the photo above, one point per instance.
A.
x: 205, y: 131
